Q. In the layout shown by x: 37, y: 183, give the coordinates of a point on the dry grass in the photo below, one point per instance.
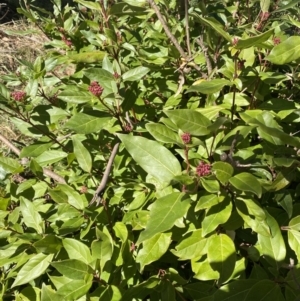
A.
x: 20, y: 40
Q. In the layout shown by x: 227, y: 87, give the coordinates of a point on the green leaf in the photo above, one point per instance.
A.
x: 168, y: 291
x: 82, y: 155
x: 25, y: 185
x: 214, y: 24
x: 285, y: 52
x: 294, y: 235
x: 223, y: 170
x: 135, y: 74
x: 88, y: 57
x: 216, y: 215
x: 74, y: 198
x: 10, y: 165
x: 82, y: 123
x: 75, y: 95
x: 212, y: 186
x: 257, y: 225
x: 221, y: 255
x: 190, y: 121
x: 164, y: 213
x: 153, y: 248
x: 209, y: 87
x: 111, y: 293
x: 192, y: 246
x: 72, y: 268
x: 31, y: 217
x: 75, y: 289
x: 265, y: 5
x: 50, y: 157
x: 208, y: 200
x: 102, y: 249
x: 103, y: 77
x: 235, y: 290
x: 77, y: 250
x: 246, y: 182
x: 203, y: 270
x: 90, y: 4
x: 154, y: 158
x: 35, y: 149
x: 48, y: 244
x: 254, y: 41
x: 162, y: 133
x: 35, y: 267
x: 265, y: 290
x: 48, y: 294
x: 273, y: 247
x: 290, y: 4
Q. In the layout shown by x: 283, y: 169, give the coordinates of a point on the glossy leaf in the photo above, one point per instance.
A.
x: 210, y: 87
x: 31, y: 217
x: 10, y: 165
x: 223, y: 170
x: 82, y: 155
x: 164, y: 213
x: 273, y: 247
x: 153, y: 248
x: 192, y: 246
x: 50, y: 157
x: 190, y: 121
x: 82, y: 123
x: 221, y: 255
x: 73, y: 94
x: 75, y: 289
x: 208, y: 200
x: 256, y: 40
x: 235, y: 290
x: 154, y: 158
x: 265, y: 289
x: 88, y: 57
x: 203, y: 270
x: 162, y: 133
x: 216, y: 215
x: 32, y: 269
x: 215, y: 25
x: 48, y: 294
x: 77, y: 250
x: 35, y: 149
x: 135, y: 74
x: 285, y: 52
x: 246, y: 182
x: 72, y: 268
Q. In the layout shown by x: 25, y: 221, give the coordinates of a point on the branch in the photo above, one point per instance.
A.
x: 166, y: 28
x: 187, y: 29
x: 104, y: 180
x: 47, y: 172
x: 200, y: 42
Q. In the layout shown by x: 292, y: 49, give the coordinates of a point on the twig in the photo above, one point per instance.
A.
x: 166, y: 28
x: 181, y: 82
x: 47, y: 172
x: 104, y: 180
x: 10, y: 145
x: 200, y: 42
x: 187, y: 29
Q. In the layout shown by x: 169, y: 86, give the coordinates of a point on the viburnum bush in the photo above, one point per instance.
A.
x: 162, y: 154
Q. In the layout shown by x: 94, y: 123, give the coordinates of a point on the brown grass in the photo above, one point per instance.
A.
x: 19, y: 40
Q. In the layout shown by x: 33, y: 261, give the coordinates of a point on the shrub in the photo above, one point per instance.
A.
x: 163, y: 162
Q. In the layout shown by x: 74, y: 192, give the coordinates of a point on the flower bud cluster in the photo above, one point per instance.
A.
x: 203, y: 169
x: 18, y: 95
x: 186, y: 138
x: 96, y: 89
